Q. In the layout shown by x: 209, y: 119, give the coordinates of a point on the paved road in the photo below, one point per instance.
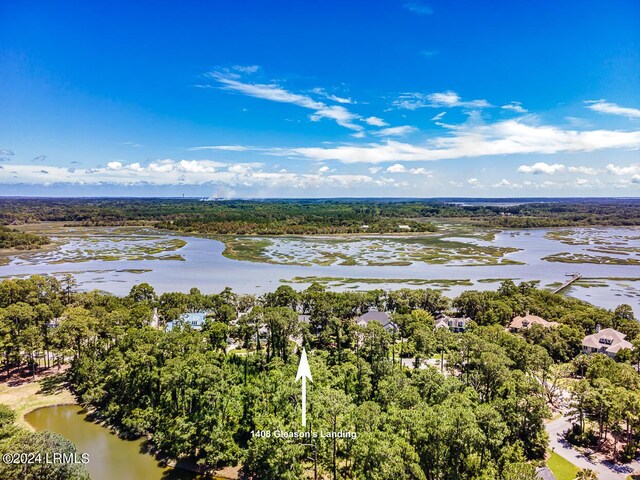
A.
x: 605, y: 470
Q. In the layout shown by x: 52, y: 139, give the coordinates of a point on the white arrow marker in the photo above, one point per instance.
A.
x: 304, y: 372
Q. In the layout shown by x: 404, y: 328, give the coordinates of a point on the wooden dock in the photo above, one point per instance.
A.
x: 574, y: 278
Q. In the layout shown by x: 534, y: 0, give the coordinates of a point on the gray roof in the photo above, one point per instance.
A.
x: 545, y: 473
x: 607, y: 340
x: 382, y: 317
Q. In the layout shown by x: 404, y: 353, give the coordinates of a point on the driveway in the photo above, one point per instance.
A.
x: 605, y: 470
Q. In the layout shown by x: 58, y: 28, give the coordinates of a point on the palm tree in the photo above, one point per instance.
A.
x: 586, y: 474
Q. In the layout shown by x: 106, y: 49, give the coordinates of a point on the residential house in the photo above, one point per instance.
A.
x: 608, y: 341
x: 455, y: 324
x: 374, y: 315
x: 193, y: 319
x: 527, y: 321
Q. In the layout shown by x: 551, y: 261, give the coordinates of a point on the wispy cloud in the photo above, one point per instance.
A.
x: 399, y: 131
x: 334, y: 98
x: 40, y: 158
x: 584, y: 170
x: 276, y: 93
x: 418, y: 8
x: 428, y: 53
x: 515, y: 107
x: 248, y: 69
x: 6, y: 151
x: 602, y: 106
x: 502, y: 138
x: 439, y: 116
x: 448, y: 99
x: 229, y: 148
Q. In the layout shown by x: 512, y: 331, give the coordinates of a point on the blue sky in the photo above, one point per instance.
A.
x: 320, y: 99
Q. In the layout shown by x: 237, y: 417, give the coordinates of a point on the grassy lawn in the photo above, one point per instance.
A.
x: 28, y: 395
x: 561, y: 468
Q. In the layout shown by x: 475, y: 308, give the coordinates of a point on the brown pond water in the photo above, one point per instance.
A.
x: 110, y: 457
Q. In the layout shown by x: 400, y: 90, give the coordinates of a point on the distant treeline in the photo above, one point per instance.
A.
x: 10, y: 238
x: 270, y: 217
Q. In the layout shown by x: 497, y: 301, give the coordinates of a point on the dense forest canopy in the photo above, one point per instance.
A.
x: 268, y: 217
x: 477, y: 415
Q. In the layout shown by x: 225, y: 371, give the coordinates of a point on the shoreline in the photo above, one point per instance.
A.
x: 24, y: 395
x: 49, y: 389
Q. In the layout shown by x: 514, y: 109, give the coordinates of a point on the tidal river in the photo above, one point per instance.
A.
x: 110, y: 457
x: 116, y: 259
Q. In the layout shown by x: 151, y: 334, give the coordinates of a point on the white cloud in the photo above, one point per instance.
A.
x: 359, y: 135
x: 577, y: 122
x: 541, y: 168
x: 448, y: 99
x: 324, y: 169
x: 438, y: 116
x: 507, y: 137
x: 239, y: 168
x: 395, y: 131
x: 421, y: 171
x: 374, y: 170
x: 515, y: 107
x: 418, y: 8
x: 504, y: 183
x: 584, y: 170
x: 474, y: 182
x: 375, y: 121
x: 6, y: 151
x: 182, y: 172
x: 275, y: 93
x: 230, y: 148
x: 602, y: 106
x: 633, y: 169
x: 397, y: 168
